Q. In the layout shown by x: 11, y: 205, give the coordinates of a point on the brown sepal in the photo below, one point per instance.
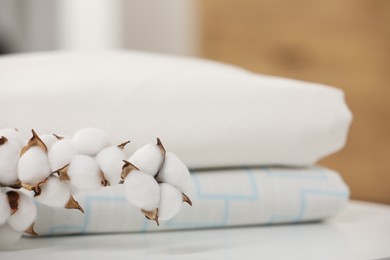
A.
x: 127, y: 168
x: 163, y: 152
x: 103, y: 180
x: 186, y: 199
x: 3, y: 140
x: 122, y: 145
x: 36, y: 187
x: 162, y: 148
x: 58, y: 137
x: 73, y: 204
x: 63, y: 173
x: 152, y: 215
x: 30, y: 230
x: 27, y: 186
x: 16, y: 185
x: 34, y: 141
x: 13, y: 201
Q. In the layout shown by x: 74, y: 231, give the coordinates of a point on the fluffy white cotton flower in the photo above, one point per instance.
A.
x: 48, y: 140
x: 8, y: 235
x: 54, y: 193
x: 84, y: 173
x: 175, y: 172
x: 142, y: 190
x: 148, y: 159
x: 110, y: 161
x: 90, y: 141
x: 5, y: 210
x: 170, y: 201
x: 14, y: 135
x: 33, y: 166
x: 9, y: 156
x: 61, y: 153
x: 25, y: 214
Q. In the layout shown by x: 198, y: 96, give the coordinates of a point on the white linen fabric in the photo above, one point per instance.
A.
x: 208, y: 113
x: 247, y: 196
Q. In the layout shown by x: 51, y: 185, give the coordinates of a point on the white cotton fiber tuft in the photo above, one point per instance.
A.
x: 54, y: 193
x: 90, y: 141
x: 8, y: 235
x: 25, y: 215
x: 84, y: 173
x: 170, y: 202
x: 110, y: 161
x: 142, y: 190
x: 5, y: 210
x: 148, y: 159
x: 12, y: 134
x: 61, y: 153
x: 9, y: 156
x: 175, y: 172
x: 33, y: 166
x: 48, y: 140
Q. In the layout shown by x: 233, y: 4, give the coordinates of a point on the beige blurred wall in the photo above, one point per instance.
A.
x: 341, y: 43
x: 168, y: 26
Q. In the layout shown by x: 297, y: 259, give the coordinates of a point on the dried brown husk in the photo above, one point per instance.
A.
x: 103, y: 180
x: 63, y: 173
x: 73, y: 204
x: 3, y: 140
x: 122, y: 145
x: 30, y: 230
x: 163, y: 152
x: 13, y: 201
x: 127, y: 168
x: 186, y: 199
x: 36, y: 187
x: 151, y: 215
x: 161, y: 147
x: 34, y: 141
x: 16, y: 185
x: 58, y: 137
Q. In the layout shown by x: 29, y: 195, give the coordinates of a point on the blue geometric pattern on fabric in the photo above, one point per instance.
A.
x: 89, y: 200
x: 252, y: 193
x: 226, y: 198
x: 304, y: 193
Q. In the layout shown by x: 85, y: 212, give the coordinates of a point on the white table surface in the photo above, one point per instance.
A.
x: 362, y: 231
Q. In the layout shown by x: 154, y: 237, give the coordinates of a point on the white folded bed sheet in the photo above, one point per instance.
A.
x: 209, y: 114
x: 246, y: 196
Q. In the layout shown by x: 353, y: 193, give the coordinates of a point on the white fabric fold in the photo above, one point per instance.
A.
x: 208, y: 113
x: 247, y: 196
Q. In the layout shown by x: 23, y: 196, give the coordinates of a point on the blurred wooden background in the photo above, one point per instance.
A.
x: 340, y: 43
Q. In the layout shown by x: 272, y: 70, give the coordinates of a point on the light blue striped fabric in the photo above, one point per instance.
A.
x: 247, y: 196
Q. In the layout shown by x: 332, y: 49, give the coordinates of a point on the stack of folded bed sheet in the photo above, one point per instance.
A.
x: 251, y: 141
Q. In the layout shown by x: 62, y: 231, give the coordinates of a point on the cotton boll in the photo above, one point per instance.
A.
x: 8, y: 235
x: 33, y: 166
x: 148, y: 159
x: 90, y: 141
x: 5, y: 210
x: 9, y: 156
x: 170, y: 202
x: 14, y: 135
x: 25, y: 215
x: 175, y: 173
x: 61, y: 153
x: 54, y: 193
x: 110, y: 161
x: 142, y: 190
x: 48, y: 140
x: 84, y: 173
